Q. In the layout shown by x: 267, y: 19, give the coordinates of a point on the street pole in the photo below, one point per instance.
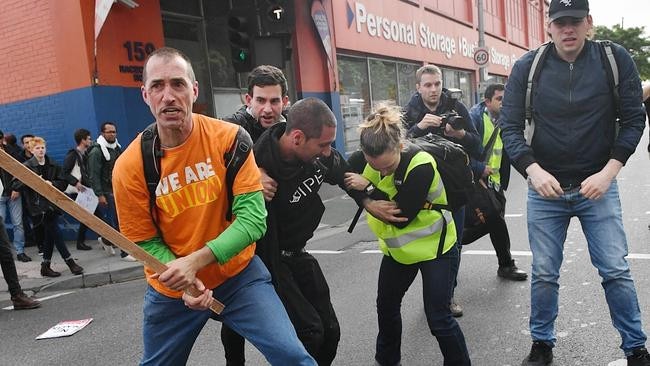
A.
x: 481, y: 39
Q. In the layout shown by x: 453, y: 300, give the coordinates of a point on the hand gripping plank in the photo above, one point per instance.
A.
x: 58, y: 198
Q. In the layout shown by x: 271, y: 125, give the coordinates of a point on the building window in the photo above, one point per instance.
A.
x: 383, y: 80
x: 459, y: 80
x: 355, y: 97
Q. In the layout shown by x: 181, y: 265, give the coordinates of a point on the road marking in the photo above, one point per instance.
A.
x: 316, y: 251
x: 523, y: 253
x: 514, y: 215
x: 44, y: 298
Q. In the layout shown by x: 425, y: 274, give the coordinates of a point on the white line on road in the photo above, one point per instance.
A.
x: 45, y: 298
x: 325, y: 251
x: 514, y: 215
x: 520, y: 253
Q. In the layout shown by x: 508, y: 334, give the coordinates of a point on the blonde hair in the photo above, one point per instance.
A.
x: 36, y: 140
x: 382, y: 130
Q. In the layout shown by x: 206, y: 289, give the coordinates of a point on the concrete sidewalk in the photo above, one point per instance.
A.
x: 100, y: 268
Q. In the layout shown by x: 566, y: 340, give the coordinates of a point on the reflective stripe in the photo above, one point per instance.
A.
x: 433, y: 195
x: 434, y: 228
x: 497, y: 152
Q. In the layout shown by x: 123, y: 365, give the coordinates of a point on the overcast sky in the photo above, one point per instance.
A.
x: 634, y: 13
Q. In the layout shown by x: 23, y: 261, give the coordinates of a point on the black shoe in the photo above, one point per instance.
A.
x: 47, y: 271
x: 23, y: 302
x: 639, y: 357
x: 511, y: 272
x: 541, y: 354
x: 74, y: 267
x: 83, y: 246
x: 23, y: 257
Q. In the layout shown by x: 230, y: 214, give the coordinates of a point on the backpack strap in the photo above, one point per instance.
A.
x: 151, y: 154
x: 235, y: 158
x: 533, y: 75
x: 607, y: 55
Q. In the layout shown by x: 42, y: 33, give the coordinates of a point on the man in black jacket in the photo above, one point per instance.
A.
x: 75, y: 164
x: 425, y: 113
x: 299, y: 157
x: 265, y: 101
x: 10, y: 202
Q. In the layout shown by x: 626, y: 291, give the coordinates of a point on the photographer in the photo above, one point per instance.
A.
x: 433, y: 110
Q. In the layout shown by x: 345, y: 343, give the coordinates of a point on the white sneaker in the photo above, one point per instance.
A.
x: 109, y: 249
x: 129, y: 258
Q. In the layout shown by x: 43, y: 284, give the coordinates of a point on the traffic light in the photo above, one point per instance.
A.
x: 240, y: 32
x: 277, y: 16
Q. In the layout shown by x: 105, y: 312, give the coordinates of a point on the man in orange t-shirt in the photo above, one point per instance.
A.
x: 198, y: 245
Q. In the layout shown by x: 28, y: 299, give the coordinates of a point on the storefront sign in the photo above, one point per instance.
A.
x: 420, y: 34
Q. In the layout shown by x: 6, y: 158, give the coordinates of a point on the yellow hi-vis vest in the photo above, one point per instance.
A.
x: 494, y: 162
x: 418, y: 241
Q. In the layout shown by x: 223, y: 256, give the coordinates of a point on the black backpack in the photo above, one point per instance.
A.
x: 151, y: 154
x: 453, y: 166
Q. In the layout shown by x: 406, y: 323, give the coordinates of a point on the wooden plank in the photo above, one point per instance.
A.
x: 58, y: 198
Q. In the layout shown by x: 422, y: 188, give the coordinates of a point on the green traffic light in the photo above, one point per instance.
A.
x: 242, y: 55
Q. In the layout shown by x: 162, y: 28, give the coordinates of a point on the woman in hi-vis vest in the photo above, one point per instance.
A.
x: 424, y: 241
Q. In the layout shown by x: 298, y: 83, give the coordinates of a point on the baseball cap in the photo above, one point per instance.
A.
x: 568, y: 8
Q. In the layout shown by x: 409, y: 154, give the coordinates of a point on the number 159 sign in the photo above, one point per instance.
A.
x: 481, y: 56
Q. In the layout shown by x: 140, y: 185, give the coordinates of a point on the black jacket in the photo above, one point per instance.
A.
x: 37, y: 204
x: 297, y: 203
x: 74, y: 157
x: 415, y: 110
x: 246, y: 120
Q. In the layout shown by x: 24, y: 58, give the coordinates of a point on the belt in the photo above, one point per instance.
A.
x: 570, y: 187
x: 293, y: 253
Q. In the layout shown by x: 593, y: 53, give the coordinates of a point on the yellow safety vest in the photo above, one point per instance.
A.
x: 418, y: 241
x: 497, y: 150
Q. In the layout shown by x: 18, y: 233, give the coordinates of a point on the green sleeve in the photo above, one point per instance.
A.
x: 158, y: 249
x: 249, y: 225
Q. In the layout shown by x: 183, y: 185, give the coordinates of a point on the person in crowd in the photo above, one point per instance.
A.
x: 265, y: 102
x: 11, y: 203
x: 574, y: 174
x: 199, y: 246
x: 425, y: 113
x: 101, y: 160
x: 495, y: 174
x: 31, y: 232
x: 44, y: 213
x: 298, y: 158
x: 75, y: 164
x: 423, y: 241
x: 11, y: 145
x: 19, y: 299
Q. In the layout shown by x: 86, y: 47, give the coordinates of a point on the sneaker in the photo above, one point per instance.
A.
x: 24, y: 302
x: 23, y: 257
x: 109, y: 249
x: 511, y: 272
x: 128, y: 258
x: 639, y: 357
x: 456, y: 310
x: 541, y: 354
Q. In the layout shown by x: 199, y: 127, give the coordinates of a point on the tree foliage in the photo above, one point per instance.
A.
x: 633, y: 40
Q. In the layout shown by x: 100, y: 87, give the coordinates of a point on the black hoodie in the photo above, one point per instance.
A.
x: 297, y: 204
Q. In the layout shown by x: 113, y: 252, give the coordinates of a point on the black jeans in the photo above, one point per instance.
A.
x: 7, y: 262
x: 306, y: 297
x: 50, y: 227
x: 438, y: 277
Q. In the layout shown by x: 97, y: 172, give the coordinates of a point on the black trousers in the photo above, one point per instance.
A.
x: 303, y: 289
x: 7, y: 262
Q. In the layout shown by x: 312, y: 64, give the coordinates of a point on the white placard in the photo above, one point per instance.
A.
x: 65, y: 328
x: 87, y: 200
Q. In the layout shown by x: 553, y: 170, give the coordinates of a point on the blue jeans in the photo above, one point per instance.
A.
x: 602, y: 224
x: 16, y: 217
x: 438, y: 277
x: 253, y: 310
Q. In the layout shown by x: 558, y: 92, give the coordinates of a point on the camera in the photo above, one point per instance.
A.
x: 456, y: 121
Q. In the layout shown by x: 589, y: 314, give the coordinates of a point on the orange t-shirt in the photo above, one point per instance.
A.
x: 191, y: 198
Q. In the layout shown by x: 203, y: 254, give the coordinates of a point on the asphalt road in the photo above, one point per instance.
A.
x: 496, y: 311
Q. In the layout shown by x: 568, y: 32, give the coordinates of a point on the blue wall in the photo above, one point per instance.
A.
x: 55, y: 117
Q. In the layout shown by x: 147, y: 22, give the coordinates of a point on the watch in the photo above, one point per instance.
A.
x: 370, y: 188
